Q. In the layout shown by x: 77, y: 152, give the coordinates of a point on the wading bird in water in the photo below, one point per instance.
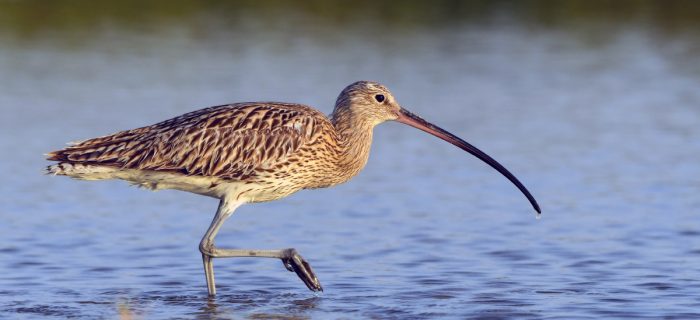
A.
x: 252, y: 152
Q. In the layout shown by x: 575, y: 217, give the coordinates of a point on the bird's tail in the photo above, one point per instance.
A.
x: 81, y: 171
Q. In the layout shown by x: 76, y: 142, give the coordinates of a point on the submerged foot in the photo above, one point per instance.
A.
x: 295, y: 263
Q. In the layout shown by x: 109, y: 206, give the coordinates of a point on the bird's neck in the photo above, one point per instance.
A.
x: 354, y: 141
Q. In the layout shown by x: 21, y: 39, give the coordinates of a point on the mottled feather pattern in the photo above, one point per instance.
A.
x: 253, y: 151
x: 230, y: 142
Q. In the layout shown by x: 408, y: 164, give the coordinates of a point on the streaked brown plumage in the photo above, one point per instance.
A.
x: 250, y: 152
x: 251, y: 142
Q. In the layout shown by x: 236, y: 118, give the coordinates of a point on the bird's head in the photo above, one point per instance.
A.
x: 366, y: 102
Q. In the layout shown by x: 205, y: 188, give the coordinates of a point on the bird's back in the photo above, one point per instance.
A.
x: 237, y: 142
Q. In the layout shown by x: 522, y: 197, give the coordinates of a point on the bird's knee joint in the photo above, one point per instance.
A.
x: 207, y: 248
x: 290, y: 252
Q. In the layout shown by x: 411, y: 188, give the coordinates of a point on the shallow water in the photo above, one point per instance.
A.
x: 600, y: 119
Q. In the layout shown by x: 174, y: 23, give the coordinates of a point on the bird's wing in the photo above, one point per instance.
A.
x: 226, y: 141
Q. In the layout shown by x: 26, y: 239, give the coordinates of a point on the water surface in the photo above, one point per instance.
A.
x: 598, y: 115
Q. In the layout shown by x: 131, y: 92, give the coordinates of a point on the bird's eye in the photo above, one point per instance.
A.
x: 379, y: 98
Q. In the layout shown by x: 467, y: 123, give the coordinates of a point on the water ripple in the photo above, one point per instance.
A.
x: 603, y: 127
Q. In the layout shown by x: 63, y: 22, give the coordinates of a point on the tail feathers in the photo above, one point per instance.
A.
x: 81, y: 171
x: 55, y: 156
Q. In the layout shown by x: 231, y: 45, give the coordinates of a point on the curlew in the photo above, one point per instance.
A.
x: 252, y: 152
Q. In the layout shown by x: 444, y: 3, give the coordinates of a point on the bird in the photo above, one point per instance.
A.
x: 252, y: 152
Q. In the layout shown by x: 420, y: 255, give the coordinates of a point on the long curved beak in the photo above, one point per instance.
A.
x: 415, y: 121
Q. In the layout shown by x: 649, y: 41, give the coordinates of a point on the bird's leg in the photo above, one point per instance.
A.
x: 206, y: 246
x: 290, y: 257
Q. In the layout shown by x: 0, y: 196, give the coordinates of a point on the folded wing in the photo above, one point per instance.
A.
x: 230, y: 142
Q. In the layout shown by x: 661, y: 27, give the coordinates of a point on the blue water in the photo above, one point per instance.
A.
x: 602, y: 125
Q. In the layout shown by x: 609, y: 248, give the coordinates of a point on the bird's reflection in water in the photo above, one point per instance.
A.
x: 305, y: 305
x: 125, y: 311
x: 256, y: 305
x: 210, y: 307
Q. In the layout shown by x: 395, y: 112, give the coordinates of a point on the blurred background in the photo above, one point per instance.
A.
x: 594, y: 105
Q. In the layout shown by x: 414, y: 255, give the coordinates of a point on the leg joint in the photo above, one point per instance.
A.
x: 206, y: 247
x: 289, y: 252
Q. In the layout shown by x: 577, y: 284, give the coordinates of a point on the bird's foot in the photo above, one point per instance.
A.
x: 295, y: 263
